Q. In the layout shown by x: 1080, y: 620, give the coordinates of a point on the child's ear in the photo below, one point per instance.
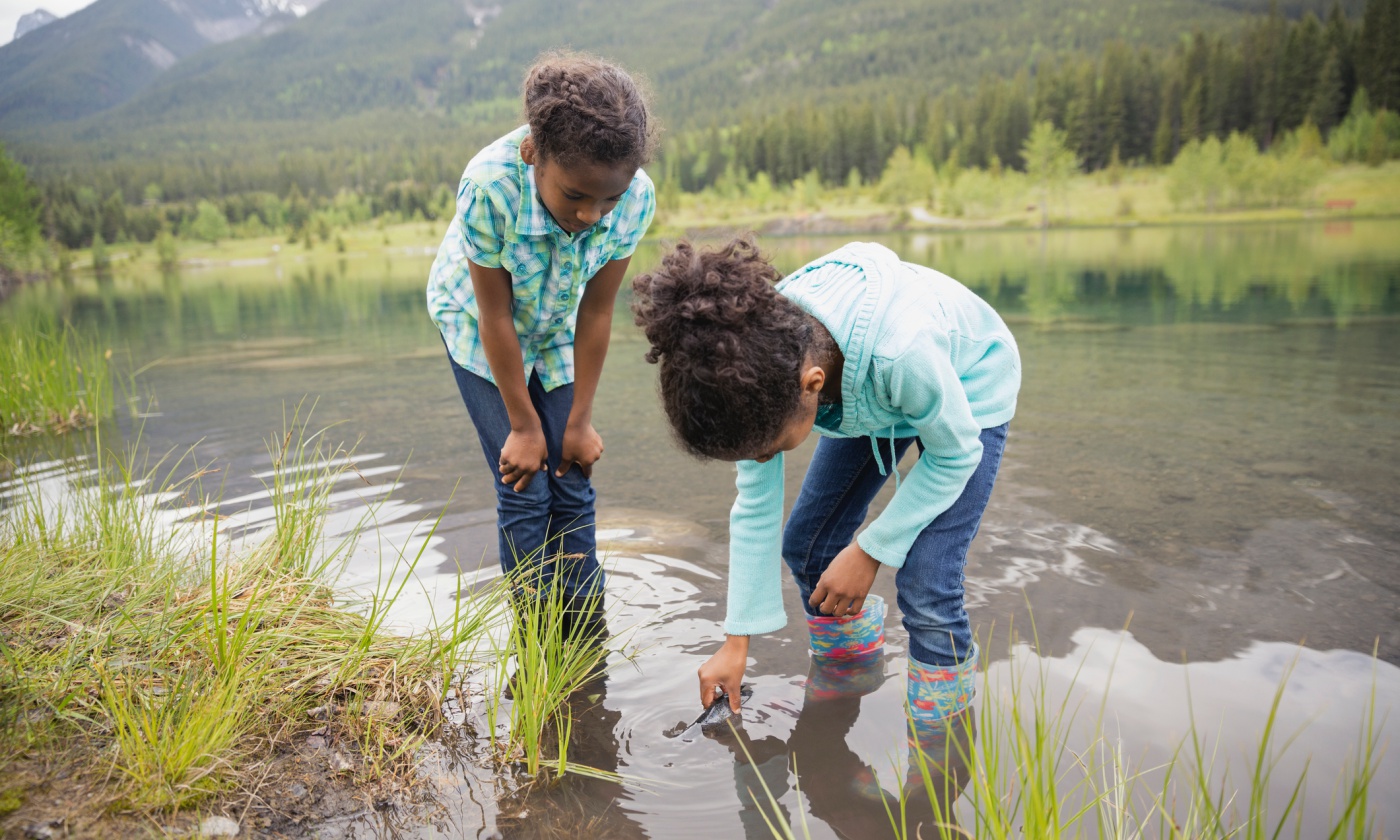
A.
x: 528, y: 153
x: 813, y: 380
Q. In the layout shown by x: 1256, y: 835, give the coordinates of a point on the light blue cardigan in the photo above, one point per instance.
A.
x: 924, y: 356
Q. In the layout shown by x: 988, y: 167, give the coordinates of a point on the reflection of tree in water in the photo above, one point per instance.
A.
x: 1249, y: 273
x: 375, y: 303
x: 841, y: 790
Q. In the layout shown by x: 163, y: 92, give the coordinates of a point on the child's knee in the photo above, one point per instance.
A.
x: 572, y: 493
x: 796, y: 546
x: 534, y: 499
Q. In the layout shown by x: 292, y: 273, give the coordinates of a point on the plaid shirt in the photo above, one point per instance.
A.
x: 500, y: 222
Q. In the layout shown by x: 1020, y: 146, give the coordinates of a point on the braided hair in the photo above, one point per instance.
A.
x: 731, y: 348
x: 582, y: 108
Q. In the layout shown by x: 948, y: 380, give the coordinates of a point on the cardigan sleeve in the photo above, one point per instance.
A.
x: 923, y: 385
x: 755, y: 603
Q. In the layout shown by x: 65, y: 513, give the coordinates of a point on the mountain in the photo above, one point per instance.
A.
x: 706, y: 60
x: 32, y: 21
x: 371, y: 74
x: 104, y: 54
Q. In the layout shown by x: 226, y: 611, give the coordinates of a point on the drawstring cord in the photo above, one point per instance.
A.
x: 880, y: 461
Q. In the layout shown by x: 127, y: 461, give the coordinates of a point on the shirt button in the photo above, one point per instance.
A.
x: 558, y: 320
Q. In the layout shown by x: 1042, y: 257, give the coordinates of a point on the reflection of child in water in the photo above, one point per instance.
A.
x: 875, y: 355
x: 842, y: 790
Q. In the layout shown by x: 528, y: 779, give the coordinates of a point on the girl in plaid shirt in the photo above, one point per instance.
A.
x: 522, y: 291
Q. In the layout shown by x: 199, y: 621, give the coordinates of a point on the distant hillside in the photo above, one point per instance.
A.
x: 104, y: 54
x: 431, y: 80
x: 448, y: 57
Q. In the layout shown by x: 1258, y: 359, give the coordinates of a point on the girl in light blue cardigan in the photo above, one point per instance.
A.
x: 874, y: 354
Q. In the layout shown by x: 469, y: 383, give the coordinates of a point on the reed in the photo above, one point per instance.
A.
x: 543, y: 665
x: 1006, y: 770
x: 51, y: 380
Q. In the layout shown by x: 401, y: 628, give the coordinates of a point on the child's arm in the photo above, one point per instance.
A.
x: 582, y: 444
x: 524, y: 452
x: 923, y: 385
x: 755, y: 601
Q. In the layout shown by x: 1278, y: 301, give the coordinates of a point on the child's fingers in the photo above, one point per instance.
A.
x: 522, y: 477
x: 831, y: 603
x: 564, y: 467
x: 709, y: 692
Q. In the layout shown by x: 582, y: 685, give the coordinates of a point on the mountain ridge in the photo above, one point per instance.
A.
x: 359, y: 62
x: 32, y: 21
x: 104, y: 54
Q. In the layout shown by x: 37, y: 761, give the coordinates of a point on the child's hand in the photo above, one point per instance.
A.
x: 582, y: 446
x: 846, y: 582
x: 725, y: 671
x: 523, y: 455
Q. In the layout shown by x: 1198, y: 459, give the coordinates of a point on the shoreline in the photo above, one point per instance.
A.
x: 410, y: 239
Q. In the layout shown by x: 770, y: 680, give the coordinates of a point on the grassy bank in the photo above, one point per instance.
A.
x: 976, y: 199
x: 152, y: 673
x: 983, y: 200
x: 148, y: 671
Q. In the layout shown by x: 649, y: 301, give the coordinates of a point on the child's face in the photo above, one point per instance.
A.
x: 800, y: 424
x: 796, y: 430
x: 578, y: 195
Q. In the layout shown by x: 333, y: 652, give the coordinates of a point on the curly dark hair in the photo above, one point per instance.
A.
x: 582, y: 108
x: 731, y: 348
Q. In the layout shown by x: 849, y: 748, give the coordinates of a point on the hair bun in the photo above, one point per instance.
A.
x: 701, y: 302
x: 731, y: 349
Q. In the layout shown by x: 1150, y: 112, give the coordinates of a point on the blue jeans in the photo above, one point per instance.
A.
x: 555, y: 513
x: 836, y: 493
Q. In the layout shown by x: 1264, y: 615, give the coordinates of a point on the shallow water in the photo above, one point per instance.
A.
x: 1206, y: 453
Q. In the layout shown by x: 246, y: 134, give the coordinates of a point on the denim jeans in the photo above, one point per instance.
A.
x: 554, y: 512
x: 836, y: 494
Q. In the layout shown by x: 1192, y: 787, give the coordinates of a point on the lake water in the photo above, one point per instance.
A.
x: 1200, y: 494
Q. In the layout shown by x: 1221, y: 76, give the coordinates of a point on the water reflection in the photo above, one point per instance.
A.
x: 840, y: 789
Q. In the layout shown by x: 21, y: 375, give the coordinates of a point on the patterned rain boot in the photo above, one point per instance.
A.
x: 846, y: 652
x: 941, y: 737
x: 937, y: 694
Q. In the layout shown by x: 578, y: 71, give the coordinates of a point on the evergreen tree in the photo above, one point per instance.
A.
x: 1329, y: 97
x: 1303, y: 59
x: 19, y: 209
x: 1378, y: 53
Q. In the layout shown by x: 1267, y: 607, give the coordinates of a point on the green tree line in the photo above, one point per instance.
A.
x: 1131, y: 105
x: 1263, y: 83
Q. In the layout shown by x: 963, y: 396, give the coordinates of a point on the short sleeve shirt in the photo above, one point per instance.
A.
x: 500, y: 222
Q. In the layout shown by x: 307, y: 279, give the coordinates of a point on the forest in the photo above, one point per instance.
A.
x: 1274, y: 84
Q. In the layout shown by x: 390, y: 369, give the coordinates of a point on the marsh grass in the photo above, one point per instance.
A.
x: 51, y: 379
x: 542, y: 667
x: 163, y: 665
x: 1008, y: 770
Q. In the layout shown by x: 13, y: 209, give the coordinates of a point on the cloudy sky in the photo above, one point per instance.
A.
x: 12, y: 10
